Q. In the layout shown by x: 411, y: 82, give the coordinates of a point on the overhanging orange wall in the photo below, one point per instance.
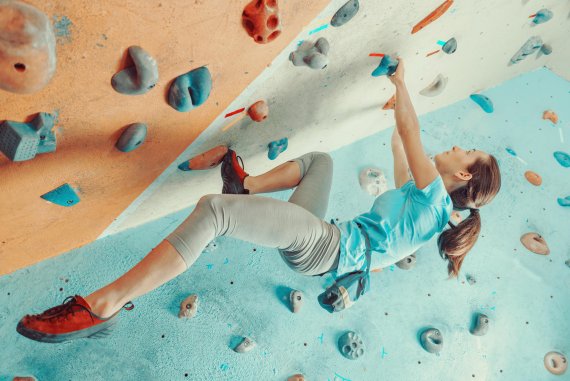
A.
x: 181, y: 35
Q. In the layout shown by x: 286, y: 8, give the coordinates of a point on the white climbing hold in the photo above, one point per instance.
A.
x: 436, y: 87
x: 373, y: 181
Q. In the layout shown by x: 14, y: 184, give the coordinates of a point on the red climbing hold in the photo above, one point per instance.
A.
x: 258, y: 111
x: 260, y: 18
x: 433, y: 16
x: 391, y: 104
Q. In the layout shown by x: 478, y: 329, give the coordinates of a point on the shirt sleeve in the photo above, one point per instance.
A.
x: 434, y: 193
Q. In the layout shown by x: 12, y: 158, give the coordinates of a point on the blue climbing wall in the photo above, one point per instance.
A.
x: 243, y: 287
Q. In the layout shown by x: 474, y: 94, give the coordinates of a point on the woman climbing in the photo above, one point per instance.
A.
x: 399, y: 222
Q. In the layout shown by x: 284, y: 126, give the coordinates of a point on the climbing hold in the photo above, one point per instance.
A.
x: 563, y: 158
x: 450, y: 46
x: 296, y: 377
x: 27, y: 48
x: 296, y: 300
x: 345, y: 13
x: 437, y: 13
x: 480, y: 325
x: 261, y: 20
x: 63, y: 195
x: 313, y: 55
x: 542, y: 16
x: 436, y: 87
x: 567, y: 262
x: 470, y: 279
x: 373, y: 181
x: 533, y: 178
x: 189, y: 307
x: 455, y: 217
x: 556, y: 362
x: 132, y: 137
x: 546, y: 49
x: 407, y: 263
x: 205, y: 160
x: 550, y: 115
x: 531, y: 46
x: 258, y: 111
x: 276, y: 147
x: 387, y: 66
x: 351, y: 345
x: 27, y: 378
x: 23, y: 141
x: 137, y: 79
x: 432, y: 340
x: 535, y: 243
x: 190, y: 90
x: 246, y: 345
x: 391, y: 104
x: 564, y: 201
x: 484, y: 102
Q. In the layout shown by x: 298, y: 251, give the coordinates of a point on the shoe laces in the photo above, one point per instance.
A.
x: 239, y: 159
x: 64, y: 310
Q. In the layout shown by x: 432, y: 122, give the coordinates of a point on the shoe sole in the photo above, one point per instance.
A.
x: 230, y: 187
x: 97, y: 331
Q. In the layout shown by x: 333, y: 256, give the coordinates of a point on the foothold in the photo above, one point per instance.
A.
x: 556, y: 363
x: 190, y: 90
x: 470, y: 279
x: 535, y: 243
x: 432, y: 340
x: 345, y: 13
x: 246, y: 345
x: 26, y: 378
x: 387, y: 66
x: 391, y: 104
x: 484, y: 102
x: 455, y: 217
x: 437, y: 13
x: 189, y: 307
x: 562, y: 158
x: 351, y: 345
x: 407, y: 263
x: 137, y: 79
x: 205, y: 160
x: 296, y: 377
x: 436, y: 87
x: 296, y: 300
x: 546, y: 49
x: 450, y: 46
x: 313, y: 55
x: 63, y: 195
x: 373, y: 181
x: 27, y: 48
x: 258, y: 111
x: 480, y: 325
x: 567, y: 262
x: 542, y: 16
x: 276, y: 147
x: 23, y: 141
x: 564, y: 201
x: 532, y: 45
x: 533, y: 178
x: 132, y: 137
x: 261, y: 20
x: 550, y: 115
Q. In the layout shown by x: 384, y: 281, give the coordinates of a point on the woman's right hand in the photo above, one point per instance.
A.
x: 398, y: 76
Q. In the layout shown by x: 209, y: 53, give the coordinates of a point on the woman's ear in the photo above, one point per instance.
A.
x: 463, y: 175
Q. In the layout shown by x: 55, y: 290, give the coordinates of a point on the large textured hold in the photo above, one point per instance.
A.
x: 63, y: 196
x: 132, y: 137
x: 190, y: 90
x: 436, y: 87
x: 345, y: 13
x: 556, y: 363
x: 23, y: 141
x: 137, y: 79
x: 313, y: 55
x: 261, y: 20
x: 432, y: 340
x: 27, y: 48
x: 437, y: 13
x: 351, y: 345
x: 530, y: 46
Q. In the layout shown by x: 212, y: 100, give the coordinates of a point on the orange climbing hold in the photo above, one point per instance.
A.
x: 206, y: 160
x: 433, y: 16
x: 260, y: 18
x: 533, y: 178
x: 258, y: 111
x: 391, y: 104
x: 550, y: 115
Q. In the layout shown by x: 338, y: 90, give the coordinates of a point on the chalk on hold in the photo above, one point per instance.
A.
x: 345, y: 13
x: 450, y: 46
x: 432, y: 340
x: 546, y: 49
x: 258, y: 111
x: 313, y: 55
x: 261, y: 20
x: 556, y: 363
x: 276, y: 147
x: 205, y: 160
x: 532, y: 45
x: 373, y: 181
x: 296, y: 300
x: 63, y: 195
x: 480, y: 325
x: 562, y: 158
x: 190, y: 90
x: 535, y: 243
x: 27, y: 46
x: 437, y: 13
x: 542, y: 16
x: 188, y: 307
x: 246, y: 345
x: 23, y: 141
x: 484, y: 102
x: 137, y: 79
x: 387, y: 66
x: 296, y: 377
x: 407, y: 263
x: 132, y: 137
x: 550, y: 115
x: 351, y: 345
x: 564, y: 201
x: 391, y: 104
x: 436, y: 87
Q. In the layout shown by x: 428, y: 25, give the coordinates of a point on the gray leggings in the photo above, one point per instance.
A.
x: 308, y: 244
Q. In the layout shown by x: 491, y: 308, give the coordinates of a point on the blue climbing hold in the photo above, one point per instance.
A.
x: 542, y: 16
x: 564, y: 201
x: 276, y: 147
x: 185, y: 166
x: 483, y: 101
x: 132, y: 137
x: 190, y: 90
x: 387, y: 66
x: 63, y: 195
x: 563, y: 158
x: 511, y: 151
x: 23, y: 141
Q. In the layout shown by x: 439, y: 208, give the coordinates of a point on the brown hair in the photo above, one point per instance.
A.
x: 455, y: 243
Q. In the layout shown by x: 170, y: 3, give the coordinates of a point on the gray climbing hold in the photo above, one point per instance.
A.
x: 132, y: 137
x: 313, y: 55
x: 137, y: 79
x: 351, y: 345
x: 480, y: 325
x: 436, y: 87
x: 407, y: 263
x: 190, y: 90
x: 246, y: 345
x: 546, y: 49
x: 63, y: 195
x: 345, y: 13
x: 567, y: 262
x: 188, y: 307
x: 23, y: 141
x: 296, y: 300
x: 470, y: 279
x: 432, y: 340
x: 450, y: 46
x: 532, y: 45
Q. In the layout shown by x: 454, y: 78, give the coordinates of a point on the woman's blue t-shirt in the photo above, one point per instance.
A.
x: 399, y: 222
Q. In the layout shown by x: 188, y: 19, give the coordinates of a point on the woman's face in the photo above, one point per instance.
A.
x: 457, y: 160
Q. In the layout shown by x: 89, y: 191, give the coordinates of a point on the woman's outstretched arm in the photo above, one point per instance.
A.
x: 401, y: 167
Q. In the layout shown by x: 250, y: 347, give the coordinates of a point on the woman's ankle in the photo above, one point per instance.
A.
x: 101, y: 306
x: 249, y: 184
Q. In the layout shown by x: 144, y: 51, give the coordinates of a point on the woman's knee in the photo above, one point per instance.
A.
x: 208, y: 200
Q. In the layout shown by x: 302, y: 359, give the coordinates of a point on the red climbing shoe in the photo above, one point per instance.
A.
x: 233, y: 174
x: 71, y: 320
